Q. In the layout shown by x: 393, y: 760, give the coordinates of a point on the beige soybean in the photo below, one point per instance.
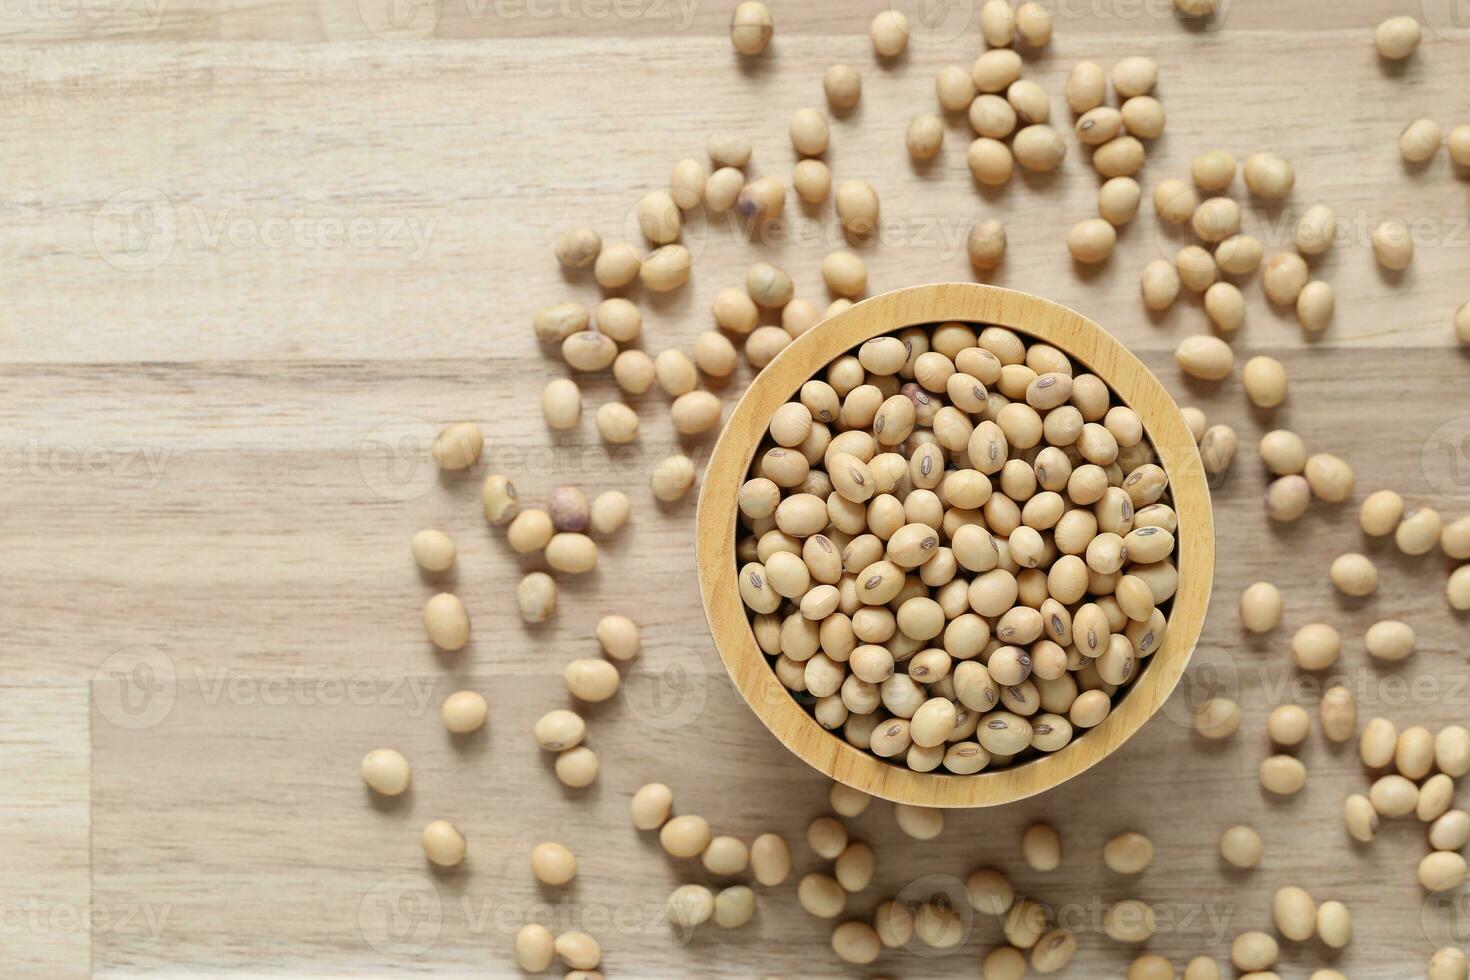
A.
x: 821, y: 896
x: 843, y: 85
x: 1360, y: 818
x: 1034, y: 24
x: 592, y: 680
x: 1128, y: 853
x: 666, y: 268
x: 443, y: 844
x: 1414, y: 753
x: 559, y: 729
x: 1354, y: 574
x: 1448, y: 963
x: 634, y: 372
x: 1239, y: 255
x: 1225, y: 307
x: 1268, y: 176
x: 1117, y: 200
x: 1389, y: 640
x: 986, y: 245
x: 1283, y: 452
x: 1393, y: 796
x: 553, y: 863
x: 1442, y: 871
x: 751, y: 27
x: 1086, y: 87
x: 1339, y: 713
x: 1159, y: 284
x: 1134, y: 75
x: 464, y: 712
x: 954, y: 88
x: 1288, y: 724
x: 854, y: 867
x: 1040, y: 148
x: 1241, y: 846
x: 1041, y: 847
x: 1454, y: 539
x: 1295, y: 913
x: 1452, y: 750
x: 1175, y: 201
x: 386, y: 771
x: 1217, y: 718
x: 1451, y: 831
x: 734, y: 906
x: 557, y: 322
x: 856, y: 942
x: 536, y: 597
x: 1260, y: 607
x: 1419, y: 531
x: 1315, y: 646
x: 924, y: 137
x: 889, y: 33
x: 535, y: 947
x: 433, y: 550
x: 651, y: 805
x: 617, y: 423
x: 1330, y: 478
x: 578, y: 950
x: 1091, y: 241
x: 1420, y: 141
x: 1205, y: 357
x: 1264, y: 379
x: 1129, y: 921
x: 857, y: 208
x: 1377, y: 744
x: 1436, y: 796
x: 1196, y: 267
x: 1457, y: 589
x: 672, y: 477
x: 458, y: 446
x: 1392, y: 245
x: 770, y: 860
x: 1283, y: 775
x: 446, y: 622
x: 1396, y: 38
x: 1283, y: 278
x: 1254, y: 951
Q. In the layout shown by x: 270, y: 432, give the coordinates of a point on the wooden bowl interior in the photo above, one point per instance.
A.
x: 1089, y: 346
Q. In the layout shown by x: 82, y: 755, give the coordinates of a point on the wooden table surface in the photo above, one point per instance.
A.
x: 255, y: 254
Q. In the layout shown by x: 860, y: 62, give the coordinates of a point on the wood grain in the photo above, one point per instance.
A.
x: 217, y: 406
x: 1091, y: 348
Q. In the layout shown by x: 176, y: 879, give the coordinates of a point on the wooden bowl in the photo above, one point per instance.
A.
x: 1087, y: 344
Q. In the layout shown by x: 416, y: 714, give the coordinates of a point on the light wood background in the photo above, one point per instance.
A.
x: 255, y: 253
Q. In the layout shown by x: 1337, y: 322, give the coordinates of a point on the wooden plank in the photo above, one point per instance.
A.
x: 373, y: 212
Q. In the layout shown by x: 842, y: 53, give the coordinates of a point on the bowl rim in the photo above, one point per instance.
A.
x: 1043, y: 320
